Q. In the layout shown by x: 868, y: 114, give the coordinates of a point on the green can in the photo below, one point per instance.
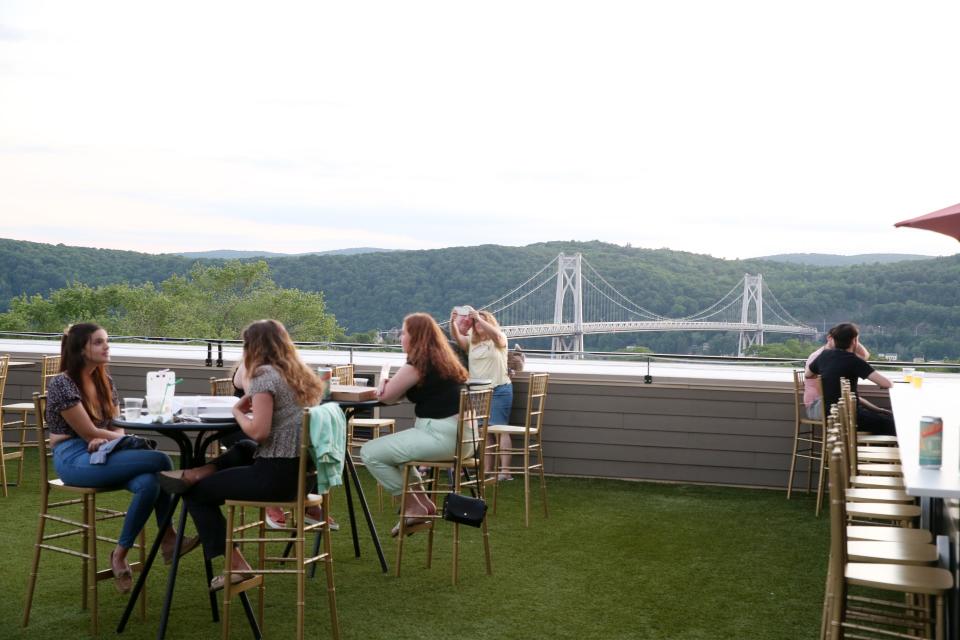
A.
x: 931, y: 441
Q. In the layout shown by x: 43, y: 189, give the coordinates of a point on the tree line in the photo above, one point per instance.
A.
x: 910, y: 308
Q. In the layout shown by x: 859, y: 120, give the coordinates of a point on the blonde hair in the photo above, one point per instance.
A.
x: 266, y: 342
x: 489, y: 319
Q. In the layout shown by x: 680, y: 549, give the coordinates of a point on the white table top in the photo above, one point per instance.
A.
x: 934, y: 398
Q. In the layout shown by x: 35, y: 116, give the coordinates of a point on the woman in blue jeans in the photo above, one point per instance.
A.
x: 81, y: 403
x: 478, y: 334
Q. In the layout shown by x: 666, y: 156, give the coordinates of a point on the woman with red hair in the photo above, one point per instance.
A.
x: 431, y: 379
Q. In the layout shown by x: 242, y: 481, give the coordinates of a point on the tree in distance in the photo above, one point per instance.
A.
x: 208, y: 302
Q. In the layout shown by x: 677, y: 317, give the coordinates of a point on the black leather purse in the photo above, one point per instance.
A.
x: 466, y: 509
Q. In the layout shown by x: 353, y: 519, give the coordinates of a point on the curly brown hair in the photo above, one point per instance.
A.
x: 428, y: 349
x: 266, y: 342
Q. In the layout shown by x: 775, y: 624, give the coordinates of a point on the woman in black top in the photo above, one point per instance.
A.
x: 432, y: 379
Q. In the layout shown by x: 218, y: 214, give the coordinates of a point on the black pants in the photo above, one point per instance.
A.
x: 239, y: 476
x: 877, y: 423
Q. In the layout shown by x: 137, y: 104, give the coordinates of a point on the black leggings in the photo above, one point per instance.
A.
x: 239, y: 476
x: 880, y: 424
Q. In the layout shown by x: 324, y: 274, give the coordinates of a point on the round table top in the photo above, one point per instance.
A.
x: 160, y: 427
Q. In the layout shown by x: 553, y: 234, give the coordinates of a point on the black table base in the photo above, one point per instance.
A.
x: 190, y: 454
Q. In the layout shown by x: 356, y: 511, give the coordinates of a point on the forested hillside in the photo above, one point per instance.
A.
x: 32, y: 267
x: 911, y: 308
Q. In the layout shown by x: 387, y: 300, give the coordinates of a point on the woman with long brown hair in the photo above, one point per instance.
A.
x: 432, y: 379
x: 81, y: 404
x: 278, y: 386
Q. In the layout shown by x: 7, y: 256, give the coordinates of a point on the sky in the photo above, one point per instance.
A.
x: 735, y: 129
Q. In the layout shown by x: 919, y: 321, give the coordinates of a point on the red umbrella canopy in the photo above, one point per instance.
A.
x: 945, y: 221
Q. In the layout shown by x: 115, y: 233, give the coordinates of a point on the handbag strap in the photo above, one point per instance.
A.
x: 478, y: 441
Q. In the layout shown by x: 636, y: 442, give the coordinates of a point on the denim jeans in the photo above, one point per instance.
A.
x: 133, y: 469
x: 501, y: 403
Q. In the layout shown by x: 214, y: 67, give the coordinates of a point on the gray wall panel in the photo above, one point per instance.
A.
x: 717, y: 432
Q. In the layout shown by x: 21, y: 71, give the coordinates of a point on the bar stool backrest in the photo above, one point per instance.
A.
x: 472, y: 421
x: 40, y: 406
x: 49, y: 368
x: 536, y: 400
x: 343, y: 373
x: 221, y: 386
x: 4, y: 369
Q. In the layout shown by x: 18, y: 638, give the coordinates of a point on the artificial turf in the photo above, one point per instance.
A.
x: 615, y: 559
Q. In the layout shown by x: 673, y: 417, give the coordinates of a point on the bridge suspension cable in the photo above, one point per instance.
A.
x: 706, y: 312
x: 637, y: 309
x: 562, y: 300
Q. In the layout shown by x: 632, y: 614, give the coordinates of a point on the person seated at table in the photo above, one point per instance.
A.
x: 811, y: 390
x: 81, y: 404
x: 432, y: 379
x: 842, y: 362
x: 264, y: 468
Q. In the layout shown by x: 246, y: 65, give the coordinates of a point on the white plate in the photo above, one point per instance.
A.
x: 216, y: 413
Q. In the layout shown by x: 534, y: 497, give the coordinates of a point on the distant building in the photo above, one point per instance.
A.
x: 889, y: 357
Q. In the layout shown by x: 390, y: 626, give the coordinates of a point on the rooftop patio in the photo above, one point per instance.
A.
x: 615, y: 559
x: 704, y: 549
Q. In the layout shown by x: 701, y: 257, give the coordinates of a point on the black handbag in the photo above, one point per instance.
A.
x: 465, y: 509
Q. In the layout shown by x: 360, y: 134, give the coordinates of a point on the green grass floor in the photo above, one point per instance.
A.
x: 615, y: 559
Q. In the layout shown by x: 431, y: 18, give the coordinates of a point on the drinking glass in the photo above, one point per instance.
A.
x: 917, y: 379
x: 908, y: 374
x: 131, y: 408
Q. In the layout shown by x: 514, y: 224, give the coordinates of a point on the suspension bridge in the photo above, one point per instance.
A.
x: 568, y: 299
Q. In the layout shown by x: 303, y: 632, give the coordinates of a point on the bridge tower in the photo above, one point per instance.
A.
x: 752, y: 296
x: 569, y: 279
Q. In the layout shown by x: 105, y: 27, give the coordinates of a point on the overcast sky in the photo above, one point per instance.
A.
x: 731, y: 128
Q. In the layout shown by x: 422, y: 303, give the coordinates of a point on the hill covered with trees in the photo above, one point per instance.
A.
x: 911, y: 308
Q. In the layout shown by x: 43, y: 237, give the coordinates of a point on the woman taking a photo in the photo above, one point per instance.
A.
x: 265, y: 468
x: 478, y: 334
x: 431, y: 379
x: 81, y: 404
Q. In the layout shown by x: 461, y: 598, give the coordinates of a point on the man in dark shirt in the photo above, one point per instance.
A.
x: 842, y: 362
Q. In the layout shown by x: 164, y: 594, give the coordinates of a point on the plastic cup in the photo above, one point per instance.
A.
x: 917, y: 379
x: 131, y: 408
x: 908, y: 374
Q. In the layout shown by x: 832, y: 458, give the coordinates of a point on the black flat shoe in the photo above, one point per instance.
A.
x: 174, y: 482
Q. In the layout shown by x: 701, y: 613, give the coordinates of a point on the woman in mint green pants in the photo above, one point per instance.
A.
x: 431, y: 379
